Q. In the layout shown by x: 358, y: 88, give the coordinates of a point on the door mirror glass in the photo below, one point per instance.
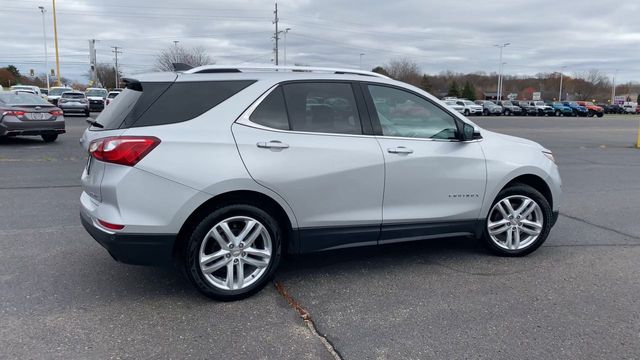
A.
x: 470, y: 132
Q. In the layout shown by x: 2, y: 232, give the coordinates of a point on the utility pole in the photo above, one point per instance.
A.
x: 276, y: 34
x: 55, y: 35
x: 613, y: 88
x: 116, y: 51
x: 560, y: 93
x: 498, y: 92
x: 92, y: 62
x: 46, y: 58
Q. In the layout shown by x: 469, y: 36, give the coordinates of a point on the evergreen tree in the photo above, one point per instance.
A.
x: 453, y: 89
x: 469, y: 91
x: 425, y: 84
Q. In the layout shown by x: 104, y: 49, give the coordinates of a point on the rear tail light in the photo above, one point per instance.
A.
x: 110, y: 226
x: 123, y: 150
x: 13, y: 113
x: 56, y: 112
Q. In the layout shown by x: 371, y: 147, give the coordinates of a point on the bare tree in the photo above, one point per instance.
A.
x: 196, y: 56
x: 592, y: 81
x: 405, y: 70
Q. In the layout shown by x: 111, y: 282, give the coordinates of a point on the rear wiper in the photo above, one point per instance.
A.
x: 95, y: 123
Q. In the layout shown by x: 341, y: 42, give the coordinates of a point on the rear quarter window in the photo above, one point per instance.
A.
x: 184, y: 101
x: 161, y: 103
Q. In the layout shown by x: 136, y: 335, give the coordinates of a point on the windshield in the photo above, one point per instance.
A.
x: 96, y: 92
x: 69, y: 95
x: 489, y: 103
x: 506, y: 103
x: 539, y: 103
x: 21, y: 98
x: 59, y: 91
x: 589, y: 103
x: 573, y: 103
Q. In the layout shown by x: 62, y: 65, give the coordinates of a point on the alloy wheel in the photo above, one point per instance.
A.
x: 235, y: 253
x: 515, y: 222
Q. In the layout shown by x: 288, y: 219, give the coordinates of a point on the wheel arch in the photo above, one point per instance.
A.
x: 253, y: 197
x: 535, y: 182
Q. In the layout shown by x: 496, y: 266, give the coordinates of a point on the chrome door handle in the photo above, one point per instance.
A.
x: 400, y: 150
x: 273, y: 144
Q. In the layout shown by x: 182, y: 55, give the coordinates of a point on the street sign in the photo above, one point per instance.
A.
x: 536, y: 96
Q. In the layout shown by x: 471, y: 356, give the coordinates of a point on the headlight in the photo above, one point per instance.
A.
x: 549, y: 156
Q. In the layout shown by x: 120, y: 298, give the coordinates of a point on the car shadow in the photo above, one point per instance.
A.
x: 21, y: 140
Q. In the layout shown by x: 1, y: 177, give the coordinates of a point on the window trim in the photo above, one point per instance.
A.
x: 367, y: 130
x: 376, y: 121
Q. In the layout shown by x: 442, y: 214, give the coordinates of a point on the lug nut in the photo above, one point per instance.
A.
x: 230, y: 246
x: 235, y: 261
x: 241, y: 245
x: 227, y: 256
x: 244, y: 253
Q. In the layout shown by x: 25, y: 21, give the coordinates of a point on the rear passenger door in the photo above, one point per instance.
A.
x: 312, y: 143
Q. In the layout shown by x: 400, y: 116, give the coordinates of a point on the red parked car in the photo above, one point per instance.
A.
x: 593, y: 108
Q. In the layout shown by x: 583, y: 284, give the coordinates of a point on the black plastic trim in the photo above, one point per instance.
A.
x: 135, y: 249
x: 330, y: 238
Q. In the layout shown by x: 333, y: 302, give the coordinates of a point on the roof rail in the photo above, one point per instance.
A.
x: 267, y: 68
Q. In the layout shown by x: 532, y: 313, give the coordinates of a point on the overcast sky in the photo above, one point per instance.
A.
x: 438, y: 35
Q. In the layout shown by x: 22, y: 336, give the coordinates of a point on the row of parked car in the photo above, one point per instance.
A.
x: 70, y: 100
x: 536, y: 108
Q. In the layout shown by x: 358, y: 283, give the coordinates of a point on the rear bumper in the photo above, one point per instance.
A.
x: 135, y: 249
x: 15, y: 128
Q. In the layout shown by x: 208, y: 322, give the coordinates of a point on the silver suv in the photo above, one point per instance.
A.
x: 222, y: 170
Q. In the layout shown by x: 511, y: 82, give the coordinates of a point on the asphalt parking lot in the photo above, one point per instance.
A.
x: 576, y: 297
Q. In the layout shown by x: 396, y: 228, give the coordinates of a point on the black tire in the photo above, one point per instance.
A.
x: 507, y: 113
x: 87, y: 113
x: 218, y: 214
x: 600, y: 115
x: 466, y: 112
x: 485, y: 112
x: 558, y: 113
x: 49, y: 137
x: 535, y: 195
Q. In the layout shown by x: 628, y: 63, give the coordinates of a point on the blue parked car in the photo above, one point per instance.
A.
x: 577, y: 109
x: 560, y: 109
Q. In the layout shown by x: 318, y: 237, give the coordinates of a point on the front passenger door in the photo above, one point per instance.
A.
x: 431, y: 177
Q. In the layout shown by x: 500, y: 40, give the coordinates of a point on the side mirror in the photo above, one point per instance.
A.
x: 469, y: 132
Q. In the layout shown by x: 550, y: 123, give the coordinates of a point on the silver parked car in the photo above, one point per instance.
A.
x: 222, y: 170
x: 74, y: 102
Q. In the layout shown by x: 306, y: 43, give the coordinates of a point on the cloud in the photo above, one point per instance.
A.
x: 439, y: 35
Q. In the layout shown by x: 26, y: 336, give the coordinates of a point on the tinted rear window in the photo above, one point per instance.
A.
x: 160, y: 103
x: 186, y: 100
x: 72, y: 96
x: 21, y: 98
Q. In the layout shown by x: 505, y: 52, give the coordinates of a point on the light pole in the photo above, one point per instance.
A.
x: 613, y: 88
x: 361, y: 55
x: 46, y: 58
x: 501, y: 46
x: 560, y: 93
x: 501, y: 80
x: 285, y: 45
x: 55, y: 38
